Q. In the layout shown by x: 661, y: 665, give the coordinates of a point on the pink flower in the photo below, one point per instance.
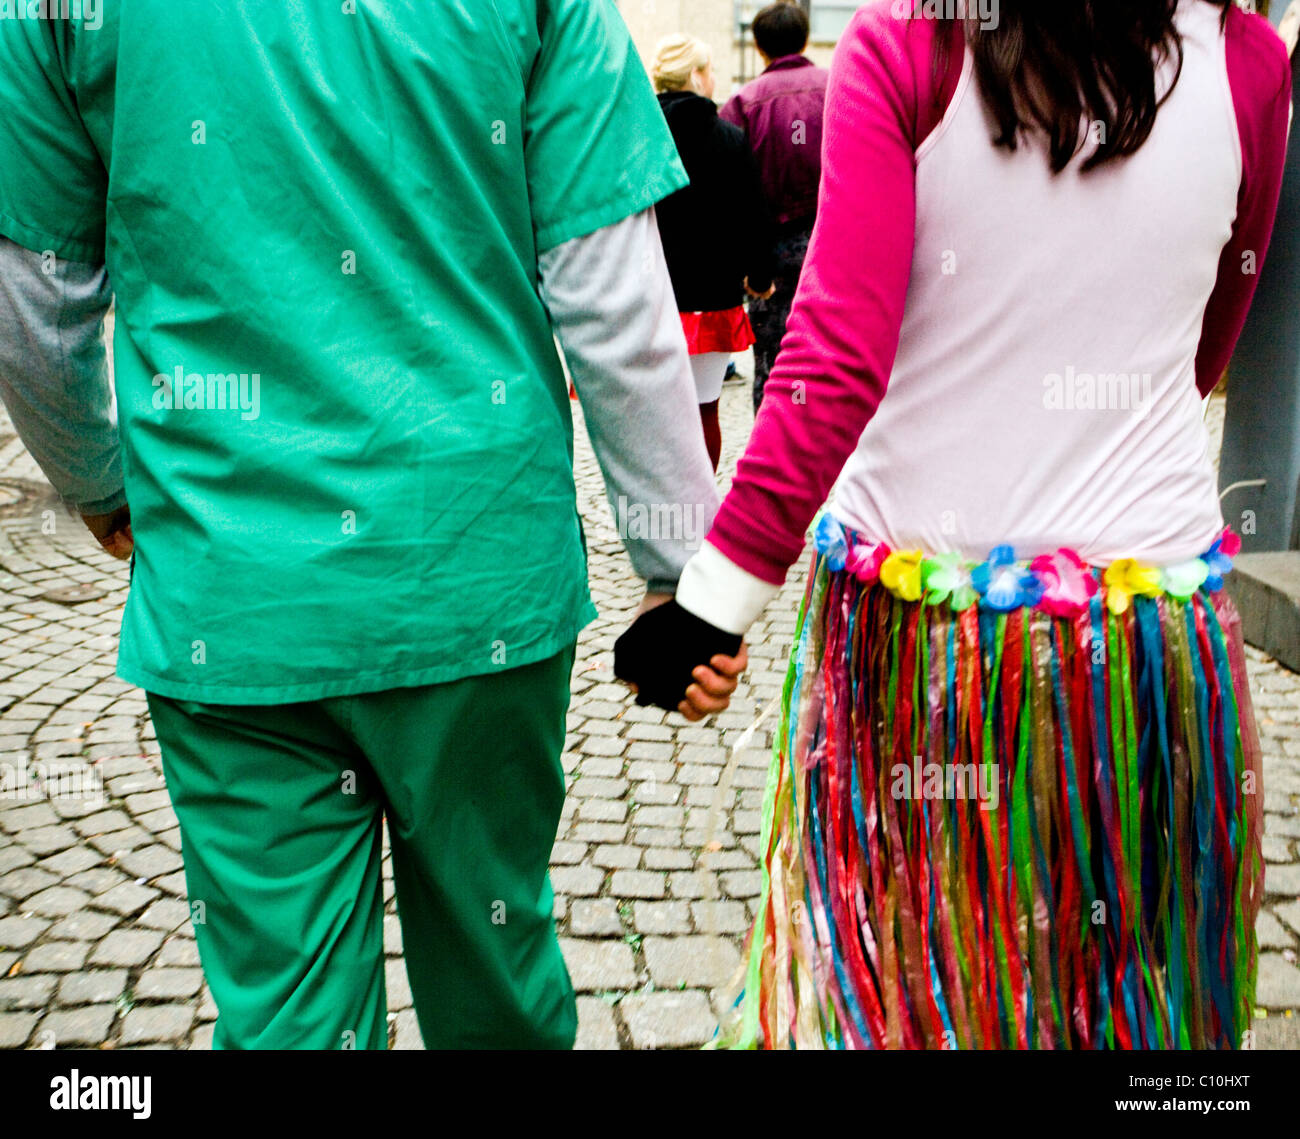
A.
x: 865, y: 559
x: 1067, y: 583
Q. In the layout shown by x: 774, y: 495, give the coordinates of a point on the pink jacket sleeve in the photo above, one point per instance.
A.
x: 883, y: 99
x: 1259, y: 73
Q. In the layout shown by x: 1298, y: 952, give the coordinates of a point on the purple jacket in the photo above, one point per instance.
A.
x: 781, y: 115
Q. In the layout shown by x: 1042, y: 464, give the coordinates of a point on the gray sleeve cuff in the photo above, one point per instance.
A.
x: 104, y: 506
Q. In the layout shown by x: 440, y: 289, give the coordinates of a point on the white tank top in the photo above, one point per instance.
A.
x: 1044, y: 392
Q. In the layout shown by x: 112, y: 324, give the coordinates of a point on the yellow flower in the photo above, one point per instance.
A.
x: 1127, y: 578
x: 901, y: 574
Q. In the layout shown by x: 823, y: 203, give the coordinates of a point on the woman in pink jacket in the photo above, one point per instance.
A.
x: 1015, y: 796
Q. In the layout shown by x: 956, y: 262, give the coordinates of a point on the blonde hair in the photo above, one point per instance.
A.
x: 677, y: 58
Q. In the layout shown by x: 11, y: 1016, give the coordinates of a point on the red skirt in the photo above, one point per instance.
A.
x: 727, y: 330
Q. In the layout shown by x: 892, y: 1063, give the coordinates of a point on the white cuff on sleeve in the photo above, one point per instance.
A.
x: 718, y: 591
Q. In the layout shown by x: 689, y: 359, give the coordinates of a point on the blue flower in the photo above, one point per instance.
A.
x: 1003, y: 584
x: 831, y: 541
x: 1219, y: 558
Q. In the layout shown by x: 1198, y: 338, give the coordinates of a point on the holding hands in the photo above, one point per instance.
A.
x: 677, y: 661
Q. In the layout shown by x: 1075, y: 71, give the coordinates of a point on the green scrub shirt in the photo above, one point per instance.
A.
x: 346, y: 434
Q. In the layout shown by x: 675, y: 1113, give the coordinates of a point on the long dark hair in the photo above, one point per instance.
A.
x: 1051, y: 66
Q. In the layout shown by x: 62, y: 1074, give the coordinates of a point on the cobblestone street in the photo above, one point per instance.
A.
x: 654, y: 867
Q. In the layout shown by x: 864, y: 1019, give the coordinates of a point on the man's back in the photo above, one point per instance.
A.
x: 781, y: 112
x: 334, y: 373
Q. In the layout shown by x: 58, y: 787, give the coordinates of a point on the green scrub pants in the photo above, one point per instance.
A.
x: 280, y: 810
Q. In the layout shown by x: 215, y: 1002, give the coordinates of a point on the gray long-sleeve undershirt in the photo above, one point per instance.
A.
x: 612, y: 305
x: 610, y: 301
x: 54, y: 377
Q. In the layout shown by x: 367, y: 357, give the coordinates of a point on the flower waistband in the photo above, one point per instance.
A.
x: 1061, y: 584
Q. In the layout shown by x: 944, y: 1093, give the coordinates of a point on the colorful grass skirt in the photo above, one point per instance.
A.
x: 1007, y: 830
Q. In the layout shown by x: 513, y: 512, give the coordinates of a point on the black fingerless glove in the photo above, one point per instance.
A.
x: 662, y: 648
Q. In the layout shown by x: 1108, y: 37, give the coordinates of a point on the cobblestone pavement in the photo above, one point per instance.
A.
x: 655, y: 864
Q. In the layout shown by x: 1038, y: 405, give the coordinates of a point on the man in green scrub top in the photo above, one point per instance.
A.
x: 341, y: 238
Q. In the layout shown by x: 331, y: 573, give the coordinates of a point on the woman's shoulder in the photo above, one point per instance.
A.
x: 1258, y: 61
x: 904, y: 28
x: 1259, y: 78
x: 894, y: 45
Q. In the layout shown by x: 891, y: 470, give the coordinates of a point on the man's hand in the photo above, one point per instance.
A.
x: 113, y: 531
x: 714, y: 684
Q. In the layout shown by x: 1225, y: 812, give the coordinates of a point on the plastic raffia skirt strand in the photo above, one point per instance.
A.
x: 1007, y: 830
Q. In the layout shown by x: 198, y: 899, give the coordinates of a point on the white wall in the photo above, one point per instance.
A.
x: 710, y: 20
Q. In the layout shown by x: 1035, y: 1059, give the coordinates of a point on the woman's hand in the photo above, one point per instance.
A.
x: 767, y: 296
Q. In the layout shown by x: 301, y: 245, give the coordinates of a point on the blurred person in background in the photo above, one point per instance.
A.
x: 715, y: 232
x: 781, y: 115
